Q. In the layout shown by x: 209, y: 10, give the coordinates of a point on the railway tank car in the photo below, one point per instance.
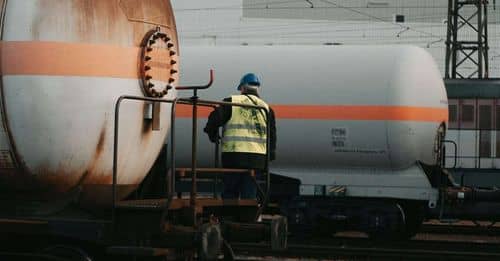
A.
x: 64, y: 64
x: 360, y: 128
x: 357, y: 116
x: 362, y: 124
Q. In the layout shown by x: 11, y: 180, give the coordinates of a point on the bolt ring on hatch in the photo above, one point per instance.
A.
x: 157, y: 58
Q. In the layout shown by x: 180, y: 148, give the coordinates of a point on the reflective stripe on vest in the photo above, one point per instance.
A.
x: 246, y: 130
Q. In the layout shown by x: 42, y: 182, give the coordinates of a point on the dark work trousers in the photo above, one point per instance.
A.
x: 241, y: 186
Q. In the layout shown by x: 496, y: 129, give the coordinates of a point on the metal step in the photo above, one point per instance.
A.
x: 178, y: 203
x: 143, y: 204
x: 138, y: 251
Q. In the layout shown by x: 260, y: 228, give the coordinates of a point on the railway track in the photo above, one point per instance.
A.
x: 462, y: 229
x: 360, y: 249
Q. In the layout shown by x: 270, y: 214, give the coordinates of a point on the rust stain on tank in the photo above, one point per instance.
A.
x: 120, y: 22
x: 146, y: 14
x: 42, y: 183
x: 101, y: 178
x: 156, y: 12
x: 92, y: 174
x: 100, y: 20
x: 100, y: 144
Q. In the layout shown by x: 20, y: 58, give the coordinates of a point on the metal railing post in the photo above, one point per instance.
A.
x: 116, y: 148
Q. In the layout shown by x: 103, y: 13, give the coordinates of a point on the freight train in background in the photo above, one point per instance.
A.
x: 361, y: 135
x: 71, y: 180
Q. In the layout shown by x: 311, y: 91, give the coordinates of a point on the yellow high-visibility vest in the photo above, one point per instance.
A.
x: 246, y: 130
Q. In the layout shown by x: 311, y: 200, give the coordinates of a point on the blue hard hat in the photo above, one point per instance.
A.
x: 249, y: 79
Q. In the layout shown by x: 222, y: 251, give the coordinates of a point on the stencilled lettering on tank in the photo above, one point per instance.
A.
x: 360, y: 150
x: 340, y: 137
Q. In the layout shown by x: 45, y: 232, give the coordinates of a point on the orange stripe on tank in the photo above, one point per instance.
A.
x: 185, y: 111
x: 72, y: 59
x: 343, y: 112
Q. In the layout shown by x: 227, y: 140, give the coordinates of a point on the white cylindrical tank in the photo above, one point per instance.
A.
x: 64, y: 64
x: 376, y: 108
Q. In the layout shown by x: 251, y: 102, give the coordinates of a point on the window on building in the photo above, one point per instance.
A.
x: 498, y: 131
x: 485, y: 117
x: 498, y: 144
x: 485, y: 144
x: 467, y: 113
x: 498, y: 118
x: 467, y: 118
x: 485, y: 124
x: 453, y: 116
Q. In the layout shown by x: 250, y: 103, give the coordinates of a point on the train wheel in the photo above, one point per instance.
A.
x: 279, y: 233
x: 211, y: 242
x: 385, y: 222
x: 414, y: 217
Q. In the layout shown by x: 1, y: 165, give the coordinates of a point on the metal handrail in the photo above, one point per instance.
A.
x: 455, y: 157
x: 199, y: 87
x: 171, y: 173
x: 194, y: 101
x: 115, y: 144
x: 194, y: 143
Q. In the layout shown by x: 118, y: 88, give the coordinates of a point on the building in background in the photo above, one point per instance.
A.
x: 332, y: 22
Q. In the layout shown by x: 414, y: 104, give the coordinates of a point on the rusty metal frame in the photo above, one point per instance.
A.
x: 194, y: 140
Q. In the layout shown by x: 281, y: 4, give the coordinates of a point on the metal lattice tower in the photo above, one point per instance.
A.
x: 467, y: 58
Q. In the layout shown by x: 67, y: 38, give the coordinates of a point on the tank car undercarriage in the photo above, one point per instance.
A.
x: 328, y: 212
x: 139, y: 229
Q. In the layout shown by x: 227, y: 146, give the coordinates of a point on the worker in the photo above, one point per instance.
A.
x: 243, y: 138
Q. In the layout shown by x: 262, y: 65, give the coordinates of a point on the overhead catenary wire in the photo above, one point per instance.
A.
x: 279, y: 3
x: 308, y: 31
x: 336, y: 5
x: 379, y: 19
x: 329, y: 21
x: 276, y: 5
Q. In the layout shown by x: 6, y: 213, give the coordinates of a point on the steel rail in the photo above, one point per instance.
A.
x: 30, y: 256
x: 460, y: 230
x: 410, y: 250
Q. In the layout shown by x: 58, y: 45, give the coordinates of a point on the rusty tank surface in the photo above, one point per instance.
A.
x: 64, y: 63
